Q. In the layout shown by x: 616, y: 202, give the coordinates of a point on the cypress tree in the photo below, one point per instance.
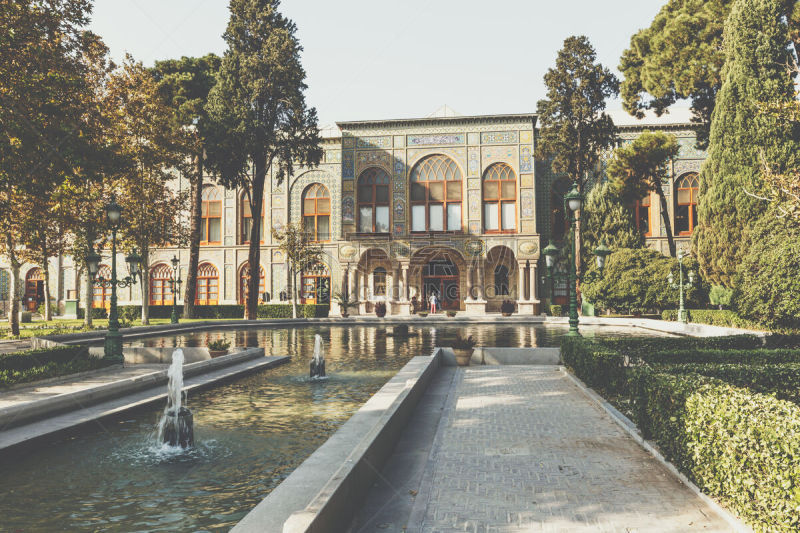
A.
x: 754, y: 74
x: 608, y: 217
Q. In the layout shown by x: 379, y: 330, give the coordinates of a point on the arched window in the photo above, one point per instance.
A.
x: 686, y: 204
x: 501, y: 280
x: 436, y: 195
x: 160, y: 290
x: 373, y: 201
x: 499, y: 199
x: 34, y: 288
x: 315, y: 287
x: 317, y: 212
x: 379, y: 281
x: 244, y: 278
x: 642, y: 215
x: 5, y: 283
x: 101, y: 296
x: 211, y: 223
x: 246, y: 223
x: 558, y: 222
x: 207, y: 285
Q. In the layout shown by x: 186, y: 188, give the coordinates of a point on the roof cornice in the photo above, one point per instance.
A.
x: 432, y: 121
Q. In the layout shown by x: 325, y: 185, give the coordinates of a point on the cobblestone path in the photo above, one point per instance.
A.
x: 523, y: 449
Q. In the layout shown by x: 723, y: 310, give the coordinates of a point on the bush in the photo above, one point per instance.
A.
x: 32, y: 365
x: 98, y: 313
x: 767, y: 287
x: 640, y: 346
x: 635, y: 281
x: 720, y: 296
x: 285, y: 311
x: 380, y: 309
x: 781, y: 380
x: 507, y: 307
x: 714, y: 317
x: 556, y: 310
x: 717, y: 356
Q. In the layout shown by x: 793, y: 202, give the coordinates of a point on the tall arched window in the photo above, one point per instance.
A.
x: 317, y: 212
x: 315, y: 285
x: 373, y: 201
x: 160, y: 291
x: 686, y: 204
x: 246, y: 223
x: 34, y: 288
x: 499, y: 199
x: 211, y: 223
x: 244, y: 278
x: 101, y: 297
x: 379, y: 281
x: 642, y: 215
x: 501, y: 280
x: 436, y: 195
x: 207, y: 285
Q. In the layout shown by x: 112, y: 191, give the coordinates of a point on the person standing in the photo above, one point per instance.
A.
x: 433, y: 301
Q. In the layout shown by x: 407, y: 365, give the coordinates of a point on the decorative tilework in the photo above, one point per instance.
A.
x: 499, y: 137
x: 334, y: 188
x: 525, y: 159
x: 371, y: 159
x: 399, y: 185
x: 399, y: 229
x: 348, y: 186
x: 687, y: 148
x: 475, y: 228
x: 433, y: 140
x: 474, y: 162
x: 399, y: 167
x: 526, y: 137
x: 399, y: 207
x: 526, y: 180
x: 348, y: 142
x: 474, y: 204
x: 348, y: 209
x: 527, y: 210
x: 348, y: 159
x: 459, y: 155
x: 375, y: 142
x: 494, y: 154
x: 333, y: 156
x: 473, y: 183
x: 400, y: 249
x: 528, y: 226
x: 277, y: 256
x: 278, y: 279
x: 682, y: 166
x: 277, y: 201
x: 278, y: 218
x: 473, y: 137
x: 399, y: 141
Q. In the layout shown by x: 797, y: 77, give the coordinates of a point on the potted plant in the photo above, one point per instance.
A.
x: 423, y: 314
x: 344, y: 302
x: 507, y: 307
x: 451, y: 314
x: 380, y: 309
x: 218, y: 347
x: 463, y: 347
x: 556, y: 310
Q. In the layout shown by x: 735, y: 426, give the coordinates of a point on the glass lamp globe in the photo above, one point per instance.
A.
x: 550, y: 252
x: 113, y: 212
x: 573, y: 198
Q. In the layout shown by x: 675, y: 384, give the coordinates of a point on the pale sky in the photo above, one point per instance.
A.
x: 375, y: 59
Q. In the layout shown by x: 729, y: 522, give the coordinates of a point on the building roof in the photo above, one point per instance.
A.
x: 676, y: 116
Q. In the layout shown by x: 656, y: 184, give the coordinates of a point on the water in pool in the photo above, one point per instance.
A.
x: 249, y: 434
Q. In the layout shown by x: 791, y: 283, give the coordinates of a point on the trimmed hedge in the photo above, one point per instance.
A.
x: 781, y: 380
x: 285, y: 311
x: 131, y: 313
x: 637, y: 346
x: 32, y: 365
x: 715, y: 356
x: 713, y: 317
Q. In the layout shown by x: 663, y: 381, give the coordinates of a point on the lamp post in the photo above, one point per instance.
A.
x: 681, y: 286
x: 175, y: 281
x: 113, y: 341
x: 572, y: 204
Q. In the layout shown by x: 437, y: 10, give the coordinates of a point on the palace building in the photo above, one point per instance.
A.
x: 448, y: 204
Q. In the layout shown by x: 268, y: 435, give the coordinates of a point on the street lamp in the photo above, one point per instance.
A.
x: 113, y: 342
x: 572, y: 202
x: 175, y: 285
x: 682, y: 317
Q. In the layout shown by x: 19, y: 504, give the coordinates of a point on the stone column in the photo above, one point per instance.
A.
x: 534, y: 286
x: 481, y: 282
x: 371, y: 285
x: 470, y: 268
x: 351, y: 283
x: 521, y: 282
x: 390, y: 284
x: 406, y: 293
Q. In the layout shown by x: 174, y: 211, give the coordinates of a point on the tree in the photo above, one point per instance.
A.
x: 607, y: 217
x: 258, y: 112
x: 640, y: 167
x: 300, y: 252
x: 153, y: 145
x: 680, y: 55
x: 185, y: 83
x: 756, y: 57
x: 574, y: 127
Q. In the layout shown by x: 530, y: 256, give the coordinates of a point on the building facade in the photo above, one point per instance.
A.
x: 449, y: 205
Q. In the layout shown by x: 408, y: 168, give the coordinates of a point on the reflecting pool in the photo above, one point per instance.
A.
x: 249, y: 434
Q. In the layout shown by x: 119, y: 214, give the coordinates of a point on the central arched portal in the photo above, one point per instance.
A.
x: 440, y: 277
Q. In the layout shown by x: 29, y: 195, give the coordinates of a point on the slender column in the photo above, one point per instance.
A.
x: 362, y: 286
x: 406, y: 293
x: 371, y: 285
x: 470, y: 268
x: 390, y: 285
x: 521, y: 282
x: 398, y: 292
x: 351, y: 283
x: 534, y: 287
x: 481, y: 282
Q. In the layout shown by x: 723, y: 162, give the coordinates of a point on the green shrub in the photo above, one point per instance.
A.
x: 717, y: 356
x: 285, y: 311
x: 31, y: 358
x: 639, y: 346
x: 556, y: 310
x: 32, y: 365
x: 598, y: 366
x: 714, y: 317
x: 98, y: 313
x: 720, y: 296
x: 782, y: 380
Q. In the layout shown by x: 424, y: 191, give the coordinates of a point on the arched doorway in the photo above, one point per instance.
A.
x: 102, y: 294
x: 315, y: 285
x: 34, y: 289
x: 244, y: 278
x: 440, y: 277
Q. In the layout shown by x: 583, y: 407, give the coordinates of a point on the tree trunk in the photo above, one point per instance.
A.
x: 145, y: 281
x: 665, y: 218
x: 88, y: 300
x: 254, y: 256
x: 13, y: 312
x: 196, y: 201
x: 48, y: 311
x: 294, y: 291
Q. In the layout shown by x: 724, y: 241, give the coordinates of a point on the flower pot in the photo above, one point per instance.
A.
x: 463, y: 356
x: 217, y: 353
x: 506, y: 314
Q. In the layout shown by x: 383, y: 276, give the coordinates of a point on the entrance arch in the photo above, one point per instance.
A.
x: 315, y: 286
x: 438, y: 270
x: 34, y: 288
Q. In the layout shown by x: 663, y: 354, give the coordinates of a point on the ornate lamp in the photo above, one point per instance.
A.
x: 93, y: 263
x: 573, y: 198
x: 134, y: 261
x: 113, y: 213
x: 601, y: 253
x: 550, y: 252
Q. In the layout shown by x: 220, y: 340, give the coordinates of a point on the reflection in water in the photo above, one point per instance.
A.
x: 249, y: 434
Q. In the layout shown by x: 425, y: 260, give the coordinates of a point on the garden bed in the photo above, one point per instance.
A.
x: 34, y: 365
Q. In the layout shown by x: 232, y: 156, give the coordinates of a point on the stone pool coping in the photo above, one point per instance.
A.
x: 64, y: 412
x: 690, y: 329
x: 323, y: 493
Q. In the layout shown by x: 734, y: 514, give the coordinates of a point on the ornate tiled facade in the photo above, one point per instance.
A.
x: 479, y: 267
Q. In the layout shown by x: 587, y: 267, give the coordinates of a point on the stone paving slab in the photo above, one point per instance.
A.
x: 521, y: 448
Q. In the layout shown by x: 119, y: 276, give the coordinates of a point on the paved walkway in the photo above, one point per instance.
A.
x: 15, y: 345
x: 521, y: 448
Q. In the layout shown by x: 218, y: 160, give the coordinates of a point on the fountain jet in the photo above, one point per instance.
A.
x: 176, y: 427
x: 318, y: 361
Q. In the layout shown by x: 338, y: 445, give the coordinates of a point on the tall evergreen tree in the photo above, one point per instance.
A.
x: 258, y: 107
x: 608, y: 217
x: 574, y: 126
x: 185, y: 84
x: 640, y: 167
x: 756, y: 58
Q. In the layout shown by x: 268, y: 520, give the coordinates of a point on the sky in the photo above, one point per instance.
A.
x: 376, y: 59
